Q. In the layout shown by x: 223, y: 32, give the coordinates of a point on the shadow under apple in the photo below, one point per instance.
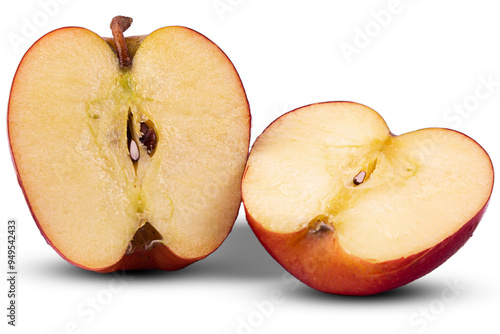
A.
x: 422, y: 290
x: 241, y: 256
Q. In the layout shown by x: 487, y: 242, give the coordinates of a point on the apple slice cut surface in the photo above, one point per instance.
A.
x: 73, y: 113
x: 335, y: 167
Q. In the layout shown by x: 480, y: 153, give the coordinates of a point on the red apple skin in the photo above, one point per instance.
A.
x: 319, y: 261
x: 159, y: 256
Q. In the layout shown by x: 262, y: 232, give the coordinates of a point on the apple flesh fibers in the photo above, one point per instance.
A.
x: 349, y: 208
x: 133, y: 166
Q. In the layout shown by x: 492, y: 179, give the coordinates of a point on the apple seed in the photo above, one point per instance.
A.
x: 134, y: 151
x: 149, y: 138
x: 358, y: 179
x: 144, y: 129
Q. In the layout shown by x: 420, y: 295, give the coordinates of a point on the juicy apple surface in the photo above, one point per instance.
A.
x: 105, y: 194
x: 349, y: 208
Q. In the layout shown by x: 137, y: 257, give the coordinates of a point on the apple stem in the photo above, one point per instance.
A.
x: 119, y: 24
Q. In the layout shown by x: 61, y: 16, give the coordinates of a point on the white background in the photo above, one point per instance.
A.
x: 416, y: 67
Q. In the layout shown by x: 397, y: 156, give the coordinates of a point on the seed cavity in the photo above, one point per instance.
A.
x: 358, y: 179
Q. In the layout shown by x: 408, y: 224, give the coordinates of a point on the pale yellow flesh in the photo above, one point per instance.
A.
x: 420, y: 187
x: 68, y: 115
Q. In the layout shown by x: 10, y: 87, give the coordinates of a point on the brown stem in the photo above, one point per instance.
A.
x: 118, y: 25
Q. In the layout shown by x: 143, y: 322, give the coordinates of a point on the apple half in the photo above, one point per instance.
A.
x: 129, y: 151
x: 349, y: 208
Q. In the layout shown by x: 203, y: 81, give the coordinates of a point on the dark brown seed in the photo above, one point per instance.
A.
x: 150, y: 140
x: 358, y: 179
x: 144, y: 129
x: 148, y: 137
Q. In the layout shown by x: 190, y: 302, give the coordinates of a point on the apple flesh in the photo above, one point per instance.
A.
x: 349, y: 208
x: 129, y: 166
